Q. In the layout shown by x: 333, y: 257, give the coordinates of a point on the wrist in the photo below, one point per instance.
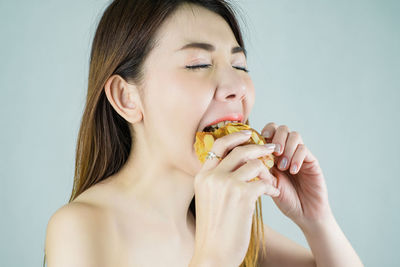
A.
x: 327, y: 240
x: 318, y: 224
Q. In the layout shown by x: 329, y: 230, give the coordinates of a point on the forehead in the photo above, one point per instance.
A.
x: 193, y: 23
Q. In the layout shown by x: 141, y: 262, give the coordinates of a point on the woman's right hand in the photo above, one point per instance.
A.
x: 225, y: 201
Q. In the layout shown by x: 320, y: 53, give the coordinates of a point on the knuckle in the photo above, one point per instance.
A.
x: 256, y: 163
x: 259, y: 164
x: 283, y: 128
x: 301, y: 147
x: 208, y: 178
x: 295, y: 134
x: 239, y: 150
x: 270, y: 125
x: 247, y: 153
x: 219, y: 142
x: 253, y: 162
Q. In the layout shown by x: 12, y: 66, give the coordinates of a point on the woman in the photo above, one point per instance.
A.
x: 159, y: 72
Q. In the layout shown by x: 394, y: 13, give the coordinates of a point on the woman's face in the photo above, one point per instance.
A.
x: 179, y: 101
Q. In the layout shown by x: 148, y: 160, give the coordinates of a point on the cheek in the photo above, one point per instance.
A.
x: 189, y: 101
x: 188, y: 95
x: 250, y: 99
x: 178, y: 101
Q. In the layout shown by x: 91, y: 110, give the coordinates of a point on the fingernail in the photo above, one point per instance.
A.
x: 270, y: 146
x: 248, y: 132
x: 266, y: 134
x: 283, y: 163
x: 278, y: 148
x: 294, y: 168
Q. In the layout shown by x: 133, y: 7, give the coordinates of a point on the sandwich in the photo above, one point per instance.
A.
x: 205, y: 141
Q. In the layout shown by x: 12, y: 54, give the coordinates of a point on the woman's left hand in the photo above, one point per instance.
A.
x: 304, y: 196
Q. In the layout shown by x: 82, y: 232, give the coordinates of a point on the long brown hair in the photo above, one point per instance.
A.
x: 123, y: 39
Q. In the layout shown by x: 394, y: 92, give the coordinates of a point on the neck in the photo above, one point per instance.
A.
x: 164, y: 190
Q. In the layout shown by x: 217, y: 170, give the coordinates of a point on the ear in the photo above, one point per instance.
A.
x: 124, y: 98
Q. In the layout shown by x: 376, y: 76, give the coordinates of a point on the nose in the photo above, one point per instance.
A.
x: 231, y: 85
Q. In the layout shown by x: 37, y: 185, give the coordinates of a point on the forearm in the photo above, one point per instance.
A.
x: 329, y: 245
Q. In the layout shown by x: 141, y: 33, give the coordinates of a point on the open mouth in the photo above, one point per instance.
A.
x: 216, y: 126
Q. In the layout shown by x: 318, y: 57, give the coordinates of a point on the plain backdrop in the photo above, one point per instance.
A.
x: 327, y: 69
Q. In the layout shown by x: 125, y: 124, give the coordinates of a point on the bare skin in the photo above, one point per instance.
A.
x: 132, y: 236
x: 140, y: 215
x: 138, y: 233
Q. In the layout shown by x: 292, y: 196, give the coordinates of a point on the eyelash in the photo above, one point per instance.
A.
x: 208, y: 65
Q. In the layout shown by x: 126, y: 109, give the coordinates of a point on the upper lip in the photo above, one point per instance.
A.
x: 236, y: 116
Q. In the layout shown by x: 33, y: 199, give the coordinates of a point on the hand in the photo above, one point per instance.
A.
x: 225, y: 201
x: 304, y: 196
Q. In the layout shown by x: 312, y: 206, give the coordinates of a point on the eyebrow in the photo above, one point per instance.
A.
x: 211, y: 48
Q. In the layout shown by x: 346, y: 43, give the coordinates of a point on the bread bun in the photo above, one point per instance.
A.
x: 205, y: 141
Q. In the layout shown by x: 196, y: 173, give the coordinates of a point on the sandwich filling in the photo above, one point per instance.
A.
x: 216, y: 126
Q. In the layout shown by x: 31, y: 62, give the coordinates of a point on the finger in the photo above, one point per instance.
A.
x: 292, y: 141
x: 269, y: 130
x: 302, y: 154
x: 298, y: 158
x: 241, y: 154
x: 222, y: 145
x: 261, y: 187
x: 251, y: 169
x: 279, y: 139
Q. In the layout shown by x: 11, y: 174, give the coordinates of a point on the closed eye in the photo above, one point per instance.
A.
x: 241, y: 68
x: 205, y: 66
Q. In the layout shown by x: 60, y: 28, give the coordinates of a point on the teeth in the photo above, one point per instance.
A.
x: 222, y: 124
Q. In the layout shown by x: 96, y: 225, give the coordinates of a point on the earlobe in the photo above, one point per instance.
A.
x: 124, y: 98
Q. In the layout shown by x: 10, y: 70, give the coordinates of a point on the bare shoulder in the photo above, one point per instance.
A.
x: 281, y: 251
x: 74, y: 236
